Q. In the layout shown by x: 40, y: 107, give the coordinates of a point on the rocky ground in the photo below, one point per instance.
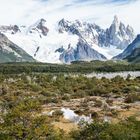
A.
x: 99, y: 108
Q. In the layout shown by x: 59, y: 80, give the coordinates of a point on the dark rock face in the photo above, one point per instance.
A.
x: 68, y: 56
x: 38, y: 28
x: 134, y: 45
x: 60, y: 50
x: 41, y: 27
x: 12, y: 28
x: 82, y: 52
x: 16, y: 28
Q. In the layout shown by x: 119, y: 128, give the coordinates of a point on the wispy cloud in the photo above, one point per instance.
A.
x: 99, y: 11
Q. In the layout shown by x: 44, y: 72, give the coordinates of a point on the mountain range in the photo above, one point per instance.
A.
x: 68, y: 41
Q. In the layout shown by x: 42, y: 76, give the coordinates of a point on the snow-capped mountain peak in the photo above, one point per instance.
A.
x: 71, y: 40
x: 120, y: 35
x: 39, y: 27
x: 116, y: 20
x: 10, y: 29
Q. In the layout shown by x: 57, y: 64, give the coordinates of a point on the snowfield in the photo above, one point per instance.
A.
x: 47, y: 44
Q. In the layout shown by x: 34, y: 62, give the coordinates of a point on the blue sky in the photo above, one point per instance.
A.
x: 98, y: 11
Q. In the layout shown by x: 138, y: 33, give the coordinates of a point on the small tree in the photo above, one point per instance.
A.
x: 24, y: 122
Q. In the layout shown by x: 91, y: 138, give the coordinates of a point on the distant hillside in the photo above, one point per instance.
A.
x: 9, y: 52
x: 75, y: 67
x: 134, y: 56
x: 131, y: 51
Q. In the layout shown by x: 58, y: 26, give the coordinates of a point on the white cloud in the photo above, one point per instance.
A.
x: 98, y: 11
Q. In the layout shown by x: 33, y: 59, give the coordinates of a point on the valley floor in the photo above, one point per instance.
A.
x: 62, y: 106
x: 85, y: 109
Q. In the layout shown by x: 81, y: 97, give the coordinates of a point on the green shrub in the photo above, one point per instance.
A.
x: 98, y: 103
x: 124, y: 130
x: 132, y: 97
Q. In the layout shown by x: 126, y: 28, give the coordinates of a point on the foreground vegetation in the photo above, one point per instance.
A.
x: 124, y: 130
x: 75, y: 67
x: 23, y: 95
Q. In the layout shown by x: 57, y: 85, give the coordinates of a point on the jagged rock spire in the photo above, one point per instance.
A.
x: 116, y: 20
